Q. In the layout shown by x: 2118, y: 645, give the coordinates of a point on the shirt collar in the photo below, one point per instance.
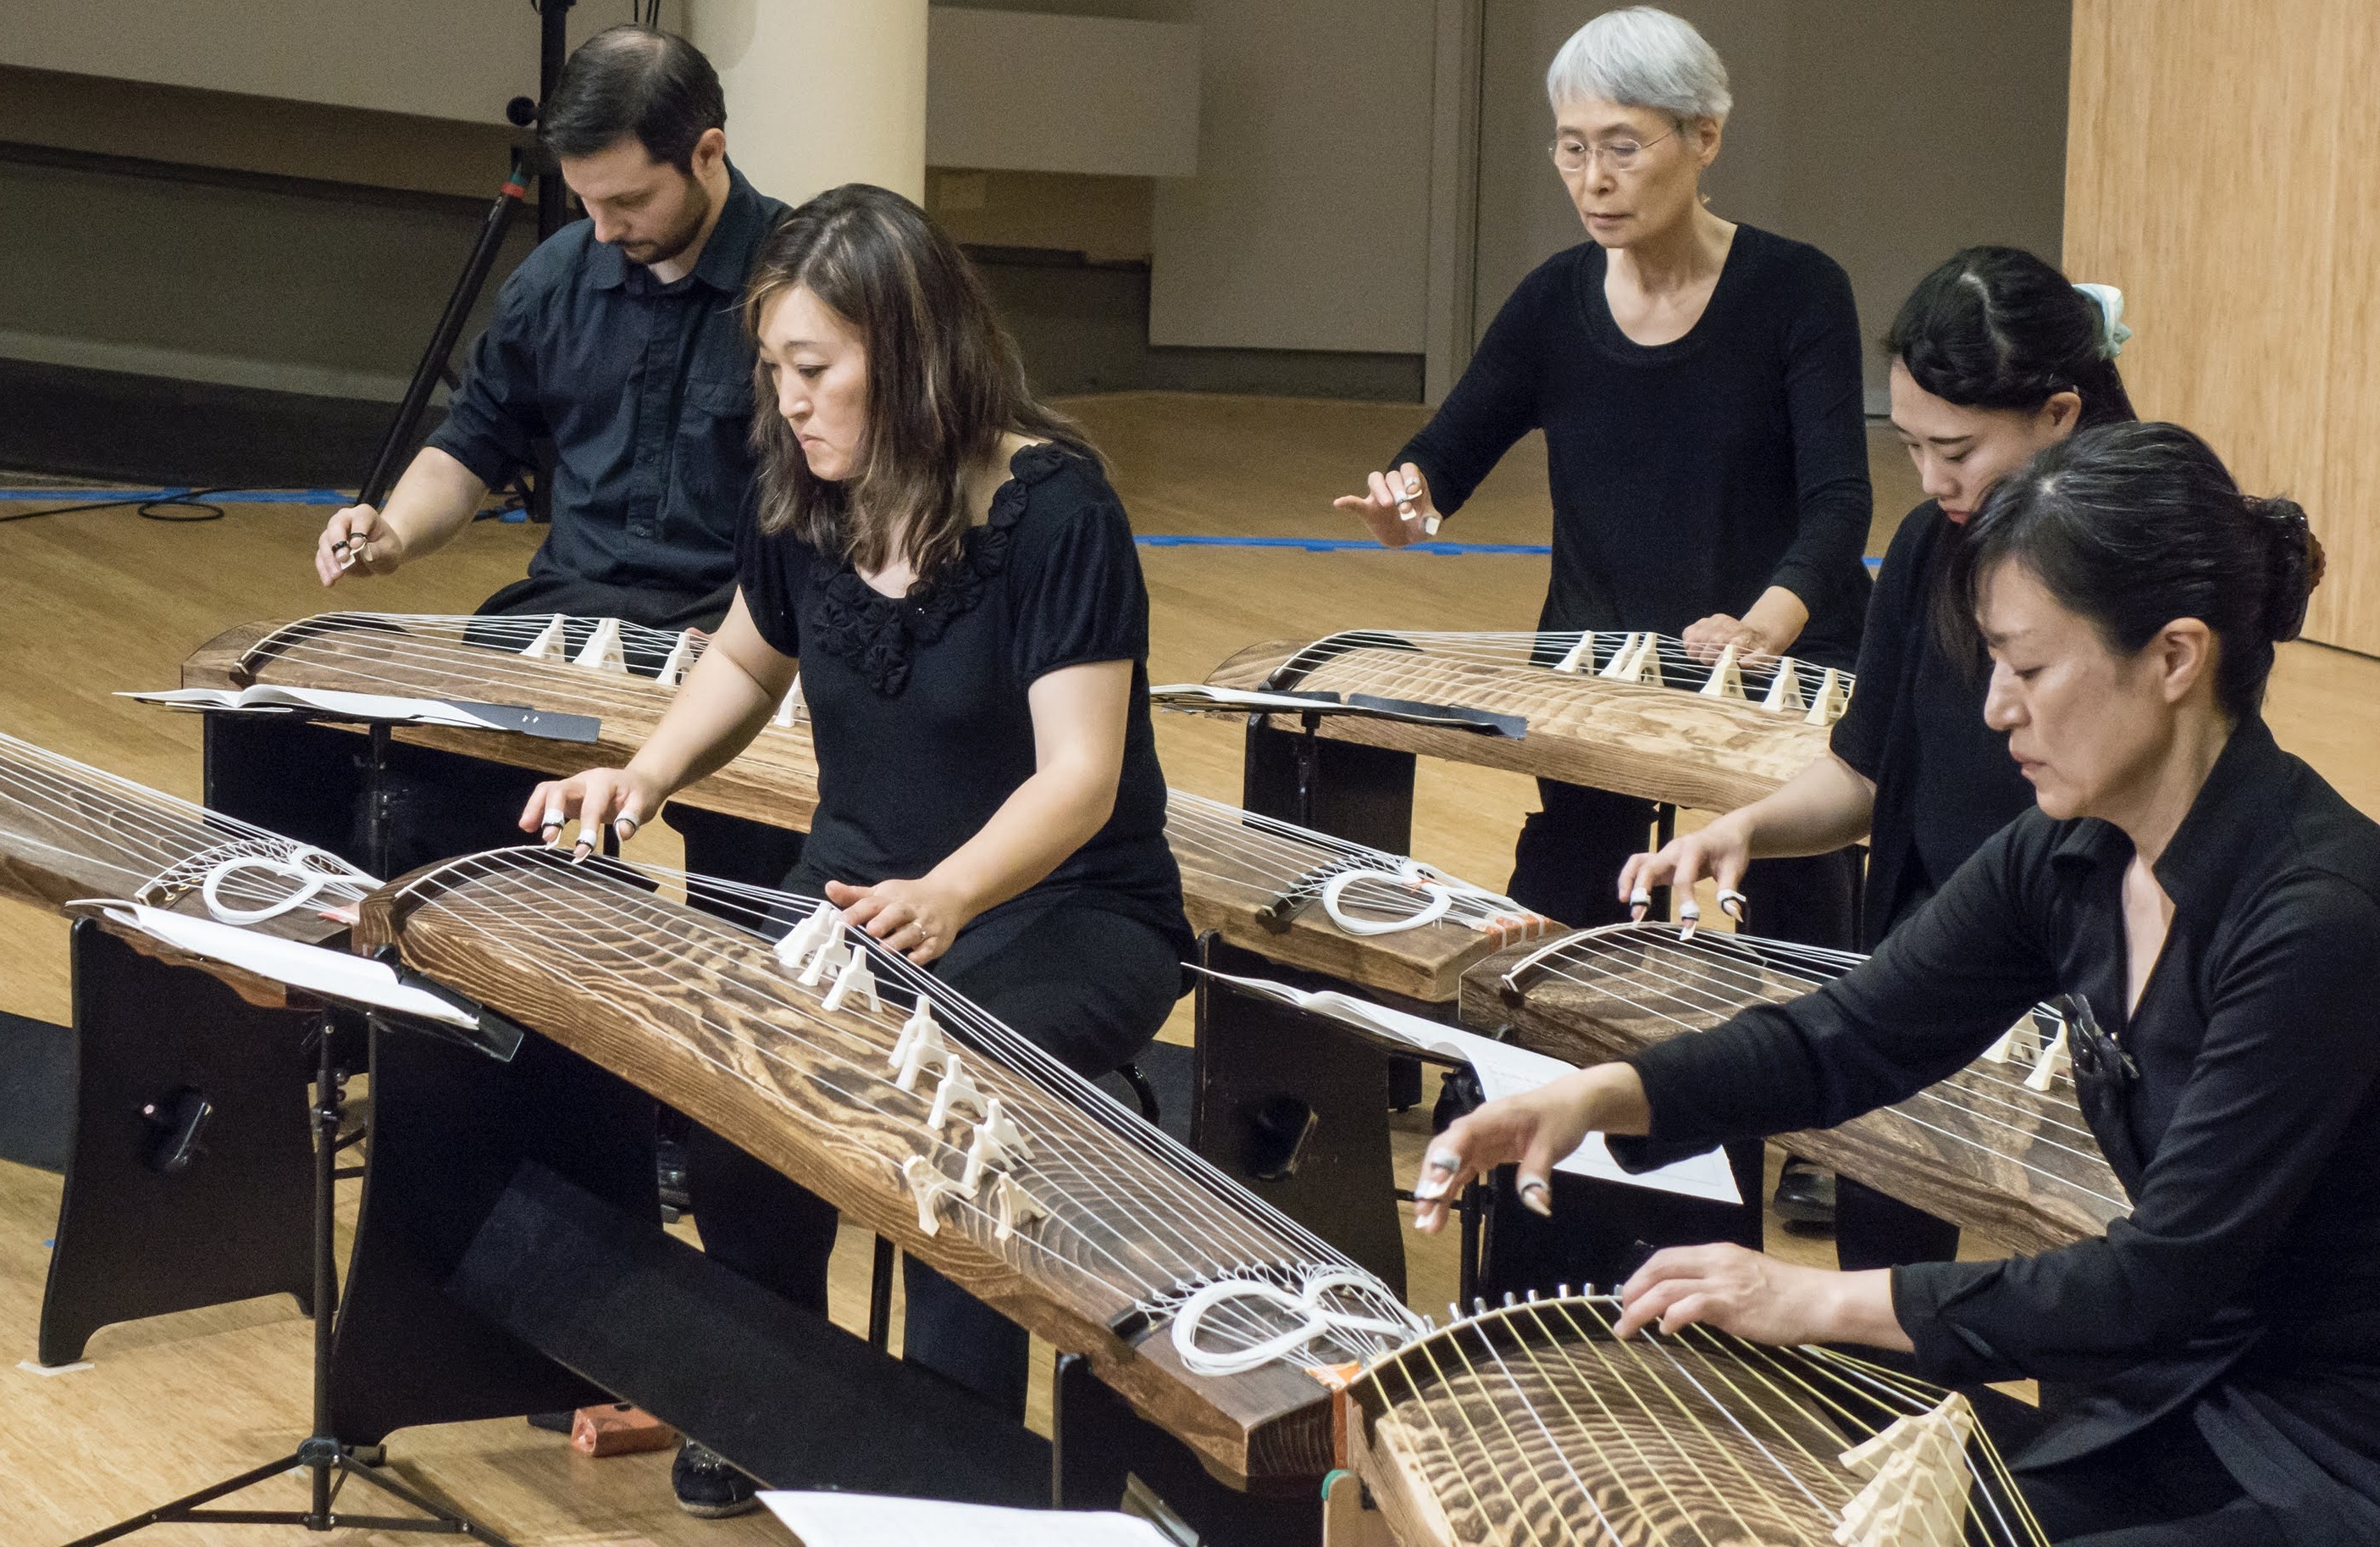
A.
x: 727, y: 257
x: 2226, y: 827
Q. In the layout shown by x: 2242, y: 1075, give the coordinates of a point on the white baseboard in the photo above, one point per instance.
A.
x: 188, y: 365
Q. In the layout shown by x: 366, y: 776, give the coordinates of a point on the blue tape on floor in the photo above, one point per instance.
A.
x: 1152, y: 540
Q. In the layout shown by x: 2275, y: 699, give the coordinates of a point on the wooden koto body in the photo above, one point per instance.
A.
x: 1531, y: 1425
x: 1237, y: 871
x: 1983, y: 1149
x: 775, y: 781
x: 69, y: 831
x: 1665, y: 743
x: 703, y: 1015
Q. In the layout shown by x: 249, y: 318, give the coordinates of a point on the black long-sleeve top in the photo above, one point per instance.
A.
x: 646, y: 391
x: 2247, y: 1277
x: 1689, y: 476
x: 1944, y: 780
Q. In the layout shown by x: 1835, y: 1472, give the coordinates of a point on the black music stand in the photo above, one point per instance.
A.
x: 322, y: 1453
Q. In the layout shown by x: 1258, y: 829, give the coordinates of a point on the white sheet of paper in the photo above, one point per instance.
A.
x: 1235, y: 698
x: 1506, y: 1070
x: 330, y: 700
x: 871, y: 1520
x: 359, y: 980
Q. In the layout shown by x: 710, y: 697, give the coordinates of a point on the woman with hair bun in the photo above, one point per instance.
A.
x: 1994, y: 357
x: 2210, y: 1368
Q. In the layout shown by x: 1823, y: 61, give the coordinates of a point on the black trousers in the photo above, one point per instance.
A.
x: 1091, y: 987
x: 1566, y: 866
x: 2164, y: 1487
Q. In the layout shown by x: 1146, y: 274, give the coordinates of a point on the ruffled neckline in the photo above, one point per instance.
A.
x: 877, y: 632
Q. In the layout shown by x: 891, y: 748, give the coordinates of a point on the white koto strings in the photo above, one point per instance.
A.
x: 145, y: 835
x: 1621, y: 962
x: 1150, y: 1282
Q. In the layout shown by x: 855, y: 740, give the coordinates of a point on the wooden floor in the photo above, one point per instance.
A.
x: 93, y: 604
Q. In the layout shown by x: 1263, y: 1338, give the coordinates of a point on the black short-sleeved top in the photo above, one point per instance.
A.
x: 1943, y: 779
x: 2245, y: 1284
x: 1688, y: 477
x: 918, y: 707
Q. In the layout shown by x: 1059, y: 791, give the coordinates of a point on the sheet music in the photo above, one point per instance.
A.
x: 380, y: 706
x: 1504, y: 1070
x: 873, y: 1521
x: 357, y: 980
x: 1200, y: 697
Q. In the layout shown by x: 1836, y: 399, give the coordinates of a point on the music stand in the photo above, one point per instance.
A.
x: 322, y: 1453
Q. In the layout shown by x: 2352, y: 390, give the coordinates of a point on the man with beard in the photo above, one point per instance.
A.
x: 620, y: 340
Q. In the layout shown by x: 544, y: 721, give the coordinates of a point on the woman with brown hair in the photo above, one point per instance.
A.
x: 944, y: 561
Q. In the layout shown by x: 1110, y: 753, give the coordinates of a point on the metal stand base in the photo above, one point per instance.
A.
x: 323, y: 1454
x: 328, y: 1460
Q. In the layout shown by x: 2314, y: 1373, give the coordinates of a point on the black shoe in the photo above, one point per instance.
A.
x: 1805, y: 1198
x: 705, y: 1485
x: 554, y: 1423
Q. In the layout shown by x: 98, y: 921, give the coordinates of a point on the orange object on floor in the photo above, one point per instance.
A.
x: 619, y: 1429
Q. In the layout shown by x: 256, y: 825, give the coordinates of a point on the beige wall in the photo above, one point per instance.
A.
x: 820, y: 92
x: 1890, y: 133
x: 433, y: 58
x: 1307, y: 226
x: 2225, y: 173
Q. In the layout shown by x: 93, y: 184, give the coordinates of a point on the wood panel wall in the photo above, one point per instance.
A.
x: 2223, y: 169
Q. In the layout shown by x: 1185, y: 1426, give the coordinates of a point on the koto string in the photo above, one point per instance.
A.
x: 535, y: 912
x: 1029, y: 1057
x: 874, y: 1052
x: 1977, y: 1082
x: 1031, y: 1060
x: 1128, y: 1292
x: 1088, y: 1176
x: 135, y: 831
x: 1730, y: 1373
x: 340, y: 650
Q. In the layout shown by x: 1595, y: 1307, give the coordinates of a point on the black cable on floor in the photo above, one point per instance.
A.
x: 149, y: 509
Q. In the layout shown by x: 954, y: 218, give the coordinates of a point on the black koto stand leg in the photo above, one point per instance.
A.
x: 321, y: 1454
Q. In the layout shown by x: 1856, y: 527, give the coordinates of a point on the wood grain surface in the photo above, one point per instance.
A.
x: 1659, y: 743
x: 69, y: 834
x: 2273, y: 371
x: 702, y: 1017
x: 1228, y: 880
x: 775, y: 781
x: 1978, y: 1149
x: 1529, y: 1427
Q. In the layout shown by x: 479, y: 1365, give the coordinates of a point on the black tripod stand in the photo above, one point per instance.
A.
x: 330, y: 1462
x: 436, y: 365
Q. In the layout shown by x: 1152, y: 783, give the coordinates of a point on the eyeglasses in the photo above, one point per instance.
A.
x: 1573, y: 155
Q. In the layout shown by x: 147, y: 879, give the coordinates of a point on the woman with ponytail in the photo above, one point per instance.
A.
x: 1994, y: 356
x: 2210, y: 908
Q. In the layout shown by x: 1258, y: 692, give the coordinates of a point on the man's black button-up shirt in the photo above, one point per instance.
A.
x: 645, y: 389
x: 2247, y: 1278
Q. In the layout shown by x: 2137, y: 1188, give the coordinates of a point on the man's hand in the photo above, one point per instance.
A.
x: 919, y: 919
x: 1395, y: 505
x: 359, y: 538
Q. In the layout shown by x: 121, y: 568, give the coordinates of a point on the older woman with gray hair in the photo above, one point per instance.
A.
x: 1698, y: 383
